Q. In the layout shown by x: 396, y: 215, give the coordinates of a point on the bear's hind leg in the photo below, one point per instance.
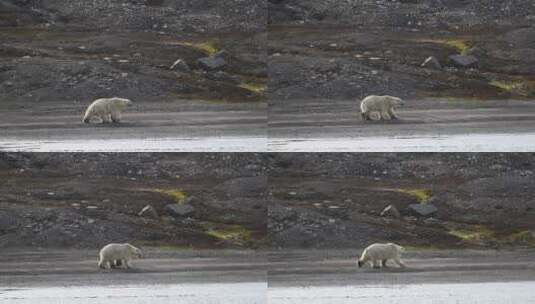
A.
x: 116, y: 264
x: 383, y: 262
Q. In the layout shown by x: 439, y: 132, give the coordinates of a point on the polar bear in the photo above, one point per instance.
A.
x: 378, y: 254
x: 107, y: 109
x: 376, y: 107
x: 113, y: 255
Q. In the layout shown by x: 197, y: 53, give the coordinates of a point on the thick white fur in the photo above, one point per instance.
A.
x: 376, y: 107
x: 378, y: 254
x: 111, y: 253
x: 107, y: 109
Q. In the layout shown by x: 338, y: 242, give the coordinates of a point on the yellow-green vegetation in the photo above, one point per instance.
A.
x: 254, y: 87
x: 233, y: 233
x: 179, y: 196
x: 475, y: 233
x: 525, y: 237
x: 422, y: 195
x: 460, y: 44
x: 517, y: 87
x: 209, y: 47
x: 480, y: 234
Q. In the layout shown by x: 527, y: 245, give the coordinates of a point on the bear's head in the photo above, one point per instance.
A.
x: 136, y: 252
x: 122, y: 101
x: 396, y: 101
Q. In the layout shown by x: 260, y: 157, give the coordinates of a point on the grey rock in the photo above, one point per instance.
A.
x: 432, y: 63
x: 148, y: 211
x: 422, y: 210
x: 212, y: 63
x: 222, y: 54
x: 180, y: 65
x: 391, y: 211
x: 464, y: 61
x: 222, y: 76
x: 475, y: 51
x: 179, y: 209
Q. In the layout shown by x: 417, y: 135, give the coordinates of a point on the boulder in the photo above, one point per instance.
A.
x: 222, y: 76
x: 222, y: 54
x: 148, y: 211
x: 475, y: 51
x: 464, y: 61
x: 179, y: 210
x: 390, y: 211
x: 422, y: 210
x: 212, y: 63
x: 180, y: 65
x: 432, y: 63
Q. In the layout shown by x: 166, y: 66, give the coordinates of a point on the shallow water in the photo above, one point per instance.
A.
x: 523, y: 142
x: 469, y: 293
x: 200, y: 144
x: 235, y: 293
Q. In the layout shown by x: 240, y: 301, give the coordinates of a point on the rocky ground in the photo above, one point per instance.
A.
x: 440, y: 200
x: 342, y: 50
x: 281, y: 200
x: 88, y: 200
x: 67, y: 53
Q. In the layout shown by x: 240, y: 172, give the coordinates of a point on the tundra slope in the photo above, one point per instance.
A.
x: 323, y: 55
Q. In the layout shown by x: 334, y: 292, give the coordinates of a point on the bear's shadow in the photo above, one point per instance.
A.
x: 122, y: 270
x: 114, y: 125
x: 392, y: 122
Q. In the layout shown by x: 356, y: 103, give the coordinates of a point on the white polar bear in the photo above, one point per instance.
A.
x: 117, y: 254
x: 107, y: 109
x: 378, y: 254
x: 376, y: 107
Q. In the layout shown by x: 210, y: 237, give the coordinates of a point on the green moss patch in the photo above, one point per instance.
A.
x: 515, y: 87
x: 254, y: 87
x: 525, y: 237
x: 461, y: 45
x: 480, y: 234
x: 476, y: 233
x: 423, y: 196
x: 178, y: 195
x: 210, y: 48
x: 232, y: 233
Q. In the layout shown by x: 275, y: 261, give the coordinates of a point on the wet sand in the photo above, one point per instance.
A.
x: 145, y: 128
x: 425, y: 126
x: 432, y: 277
x: 164, y: 276
x: 290, y: 276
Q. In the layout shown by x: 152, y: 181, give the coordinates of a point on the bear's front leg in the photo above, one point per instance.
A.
x: 400, y: 263
x: 376, y: 264
x: 116, y: 117
x: 106, y: 118
x: 393, y: 115
x: 385, y: 116
x: 383, y: 262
